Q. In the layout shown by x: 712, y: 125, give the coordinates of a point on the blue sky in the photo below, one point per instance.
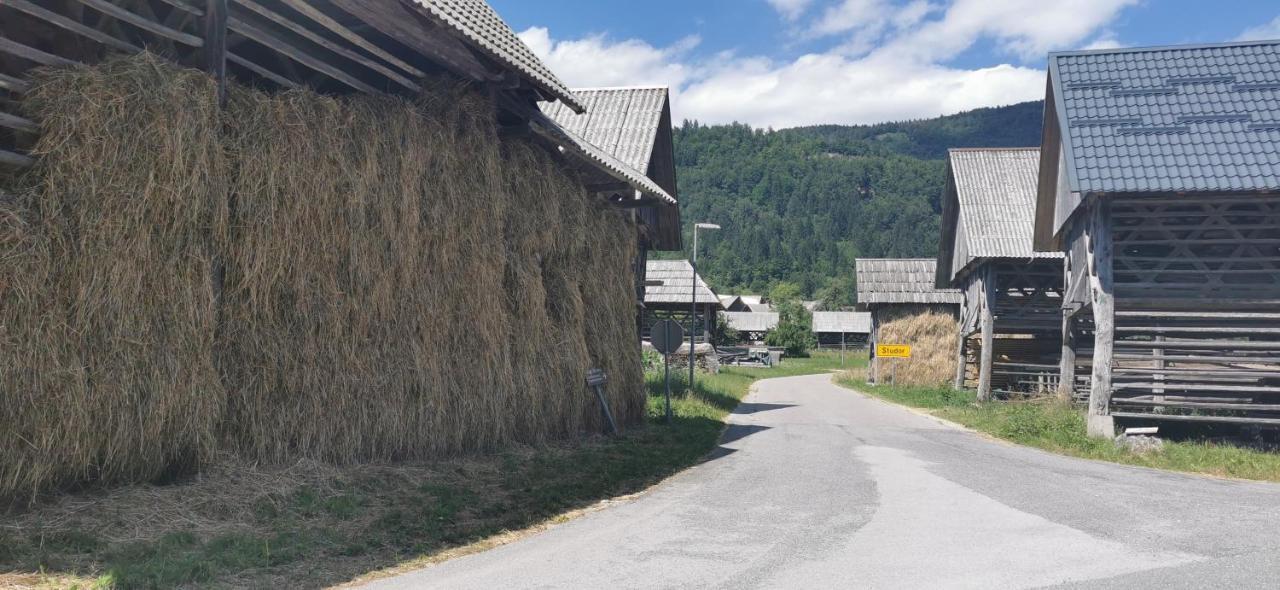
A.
x: 782, y: 63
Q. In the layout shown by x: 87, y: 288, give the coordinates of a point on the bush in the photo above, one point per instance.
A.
x: 795, y: 324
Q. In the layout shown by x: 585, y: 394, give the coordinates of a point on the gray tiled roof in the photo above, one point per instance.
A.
x: 1190, y: 118
x: 599, y: 157
x: 622, y: 121
x: 848, y: 322
x: 676, y: 277
x: 996, y: 189
x: 751, y: 321
x: 481, y: 26
x: 900, y: 280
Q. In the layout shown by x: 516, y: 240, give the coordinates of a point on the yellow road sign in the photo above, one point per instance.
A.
x: 893, y: 351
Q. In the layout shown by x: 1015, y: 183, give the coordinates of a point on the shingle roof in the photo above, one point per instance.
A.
x: 1164, y: 119
x: 598, y: 157
x: 900, y: 280
x: 622, y: 121
x: 848, y: 322
x: 481, y: 26
x: 676, y: 283
x: 996, y: 191
x: 751, y: 321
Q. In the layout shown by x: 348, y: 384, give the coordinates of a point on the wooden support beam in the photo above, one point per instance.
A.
x: 327, y: 44
x: 58, y: 20
x: 15, y: 160
x: 270, y: 40
x: 184, y: 5
x: 142, y: 22
x: 1197, y: 418
x: 215, y: 46
x: 988, y: 333
x: 18, y: 123
x: 261, y: 71
x: 1098, y: 235
x: 323, y: 20
x: 961, y: 360
x: 14, y: 85
x: 32, y: 54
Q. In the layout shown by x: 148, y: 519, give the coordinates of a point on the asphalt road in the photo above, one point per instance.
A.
x: 818, y: 487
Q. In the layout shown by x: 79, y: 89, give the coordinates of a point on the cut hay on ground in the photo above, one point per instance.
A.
x: 932, y: 333
x: 300, y: 276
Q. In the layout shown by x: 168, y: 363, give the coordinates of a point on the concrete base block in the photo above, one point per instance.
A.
x: 1102, y: 426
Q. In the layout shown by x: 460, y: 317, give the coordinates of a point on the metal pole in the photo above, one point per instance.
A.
x: 693, y: 304
x: 666, y: 372
x: 842, y: 347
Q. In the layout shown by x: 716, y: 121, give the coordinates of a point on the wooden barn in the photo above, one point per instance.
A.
x: 1011, y: 317
x: 907, y: 307
x: 840, y: 329
x: 332, y: 46
x: 1160, y: 181
x: 676, y: 299
x: 752, y: 326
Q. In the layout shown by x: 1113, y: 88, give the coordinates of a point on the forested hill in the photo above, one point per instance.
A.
x: 798, y: 205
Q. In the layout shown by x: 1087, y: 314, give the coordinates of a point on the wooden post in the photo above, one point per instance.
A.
x: 875, y: 338
x: 960, y: 359
x: 988, y: 334
x: 1067, y: 364
x: 1101, y: 423
x: 215, y: 45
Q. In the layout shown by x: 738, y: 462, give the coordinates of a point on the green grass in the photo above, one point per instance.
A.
x: 1060, y: 428
x: 330, y: 530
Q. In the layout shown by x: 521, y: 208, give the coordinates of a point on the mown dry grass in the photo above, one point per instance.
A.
x: 358, y: 279
x: 931, y: 332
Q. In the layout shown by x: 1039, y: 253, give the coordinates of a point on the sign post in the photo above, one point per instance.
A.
x: 893, y: 351
x: 666, y: 337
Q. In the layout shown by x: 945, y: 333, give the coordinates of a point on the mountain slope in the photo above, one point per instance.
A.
x: 798, y: 205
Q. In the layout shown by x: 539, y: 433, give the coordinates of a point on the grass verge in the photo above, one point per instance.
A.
x: 315, y: 525
x: 1060, y: 428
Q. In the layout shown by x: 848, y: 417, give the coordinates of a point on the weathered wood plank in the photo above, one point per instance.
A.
x: 15, y: 160
x: 354, y: 38
x: 298, y: 55
x: 32, y: 54
x: 14, y: 85
x: 1185, y: 418
x: 261, y: 71
x: 215, y: 46
x: 327, y: 44
x: 187, y: 6
x: 1101, y: 283
x: 987, y: 353
x: 142, y: 22
x: 18, y: 123
x: 63, y: 22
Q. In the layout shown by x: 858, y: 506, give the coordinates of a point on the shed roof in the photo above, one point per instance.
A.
x: 622, y: 121
x: 599, y: 157
x: 989, y: 208
x: 482, y: 28
x: 847, y: 322
x: 677, y: 286
x: 900, y: 280
x: 1192, y: 118
x: 751, y: 321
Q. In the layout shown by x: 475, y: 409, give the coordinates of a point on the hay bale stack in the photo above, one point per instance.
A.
x: 346, y: 279
x: 931, y: 332
x: 106, y: 304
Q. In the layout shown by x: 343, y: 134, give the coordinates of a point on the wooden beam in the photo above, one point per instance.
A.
x: 14, y: 85
x: 327, y: 44
x: 988, y: 332
x: 32, y: 54
x: 1100, y: 422
x: 261, y: 71
x: 15, y: 160
x: 323, y: 20
x: 1197, y: 418
x: 215, y: 46
x: 298, y: 55
x: 184, y: 5
x: 66, y: 23
x: 18, y: 123
x: 142, y: 22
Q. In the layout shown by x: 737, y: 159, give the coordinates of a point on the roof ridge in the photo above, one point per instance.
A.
x: 602, y: 88
x: 994, y: 149
x: 1154, y: 48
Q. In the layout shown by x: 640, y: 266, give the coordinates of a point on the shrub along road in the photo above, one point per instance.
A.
x: 814, y: 485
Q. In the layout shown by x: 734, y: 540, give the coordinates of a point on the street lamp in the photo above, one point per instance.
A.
x: 693, y: 304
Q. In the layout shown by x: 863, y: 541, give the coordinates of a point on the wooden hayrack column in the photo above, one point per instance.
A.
x: 1102, y: 290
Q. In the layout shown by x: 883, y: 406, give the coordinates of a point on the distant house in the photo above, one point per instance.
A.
x: 752, y: 326
x: 835, y: 329
x: 1160, y: 181
x: 907, y: 308
x: 1012, y: 294
x: 675, y: 299
x: 733, y: 303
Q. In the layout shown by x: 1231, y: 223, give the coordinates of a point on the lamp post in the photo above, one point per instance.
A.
x: 693, y: 304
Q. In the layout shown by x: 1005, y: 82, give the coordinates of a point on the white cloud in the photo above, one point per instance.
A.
x: 1269, y: 30
x: 790, y: 9
x: 890, y: 62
